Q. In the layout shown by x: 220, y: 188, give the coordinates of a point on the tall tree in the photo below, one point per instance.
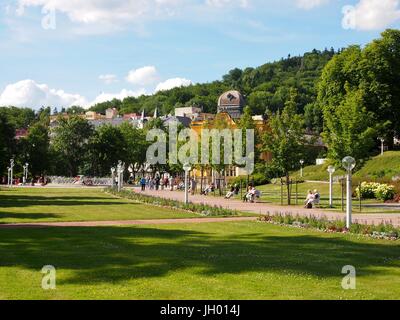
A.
x: 106, y: 147
x: 71, y: 138
x: 35, y: 149
x: 285, y: 139
x: 7, y: 134
x: 349, y: 129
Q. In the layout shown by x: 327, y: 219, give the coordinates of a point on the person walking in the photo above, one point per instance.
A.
x: 143, y: 183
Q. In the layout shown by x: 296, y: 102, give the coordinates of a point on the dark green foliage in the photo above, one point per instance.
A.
x: 7, y: 133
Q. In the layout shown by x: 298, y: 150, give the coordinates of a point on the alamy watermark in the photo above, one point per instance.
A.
x: 349, y: 281
x: 349, y: 17
x: 186, y: 146
x: 49, y: 278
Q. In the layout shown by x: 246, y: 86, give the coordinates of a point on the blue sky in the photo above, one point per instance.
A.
x: 136, y: 45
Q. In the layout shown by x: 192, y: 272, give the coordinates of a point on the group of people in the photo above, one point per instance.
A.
x: 164, y: 183
x: 312, y: 200
x: 250, y: 196
x: 157, y: 183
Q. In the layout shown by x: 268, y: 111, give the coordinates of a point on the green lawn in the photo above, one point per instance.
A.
x: 25, y: 205
x: 233, y: 260
x: 384, y: 166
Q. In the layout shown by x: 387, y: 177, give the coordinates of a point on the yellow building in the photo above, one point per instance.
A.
x: 230, y: 109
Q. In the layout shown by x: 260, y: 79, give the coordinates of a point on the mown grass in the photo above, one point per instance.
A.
x: 235, y: 260
x: 26, y: 205
x: 382, y: 167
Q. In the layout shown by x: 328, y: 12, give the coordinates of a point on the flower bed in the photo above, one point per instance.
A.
x: 374, y: 190
x: 382, y: 231
x: 202, y: 209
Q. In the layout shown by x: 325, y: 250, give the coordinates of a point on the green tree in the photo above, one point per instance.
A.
x: 7, y: 134
x: 285, y: 139
x: 349, y: 129
x: 35, y: 149
x: 135, y: 145
x: 71, y: 139
x: 106, y: 147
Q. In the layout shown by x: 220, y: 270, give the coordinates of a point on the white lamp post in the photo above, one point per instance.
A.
x: 187, y: 168
x: 25, y: 173
x: 382, y: 145
x: 301, y: 168
x: 331, y: 170
x: 8, y: 176
x: 112, y: 177
x: 11, y: 172
x: 349, y: 164
x: 120, y: 173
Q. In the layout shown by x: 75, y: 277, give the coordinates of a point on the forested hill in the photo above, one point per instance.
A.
x: 265, y: 86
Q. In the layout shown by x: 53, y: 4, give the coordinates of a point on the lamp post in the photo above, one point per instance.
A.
x: 331, y: 170
x: 120, y: 173
x: 113, y: 177
x: 11, y: 172
x: 187, y: 168
x: 382, y: 145
x: 8, y: 176
x: 301, y: 168
x: 25, y: 173
x: 349, y: 164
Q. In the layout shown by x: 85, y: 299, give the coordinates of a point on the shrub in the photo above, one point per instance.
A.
x: 385, y: 192
x: 374, y: 190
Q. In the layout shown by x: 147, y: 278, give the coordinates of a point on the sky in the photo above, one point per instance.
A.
x: 80, y: 52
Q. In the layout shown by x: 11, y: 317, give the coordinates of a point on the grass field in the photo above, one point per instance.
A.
x: 225, y: 260
x: 246, y: 260
x: 24, y: 205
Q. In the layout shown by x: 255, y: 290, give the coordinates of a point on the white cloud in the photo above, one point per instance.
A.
x: 310, y: 4
x: 371, y: 14
x: 108, y: 78
x: 121, y: 95
x: 107, y: 12
x: 225, y: 3
x: 143, y: 76
x: 28, y: 93
x: 173, y: 83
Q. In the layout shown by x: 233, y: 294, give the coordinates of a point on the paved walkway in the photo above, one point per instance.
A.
x: 263, y: 208
x: 121, y: 222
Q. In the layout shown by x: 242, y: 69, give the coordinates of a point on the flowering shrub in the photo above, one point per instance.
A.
x: 385, y: 192
x: 374, y: 190
x: 382, y: 231
x: 202, y: 209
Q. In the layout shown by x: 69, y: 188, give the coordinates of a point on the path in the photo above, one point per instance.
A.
x: 263, y: 208
x: 121, y: 222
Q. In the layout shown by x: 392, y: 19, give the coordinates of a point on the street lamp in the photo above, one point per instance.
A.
x: 349, y: 164
x: 8, y: 176
x: 301, y: 168
x: 331, y: 170
x: 382, y: 145
x: 25, y: 173
x: 120, y: 173
x: 11, y: 172
x: 113, y: 177
x: 187, y: 168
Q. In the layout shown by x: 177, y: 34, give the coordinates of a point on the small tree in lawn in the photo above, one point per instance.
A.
x: 285, y: 138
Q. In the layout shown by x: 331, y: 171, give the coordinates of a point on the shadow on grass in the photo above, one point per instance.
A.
x: 31, y: 216
x: 23, y: 200
x: 113, y: 254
